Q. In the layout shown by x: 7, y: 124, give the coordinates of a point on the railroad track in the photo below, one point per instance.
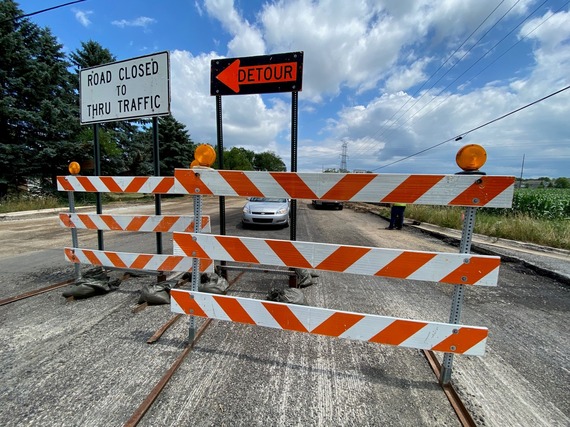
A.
x: 457, y: 404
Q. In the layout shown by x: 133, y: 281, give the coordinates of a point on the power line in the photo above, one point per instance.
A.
x: 16, y: 18
x: 364, y: 147
x: 461, y: 135
x: 361, y: 149
x: 471, y: 66
x: 443, y: 64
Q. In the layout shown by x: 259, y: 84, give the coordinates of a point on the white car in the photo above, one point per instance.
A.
x: 266, y: 211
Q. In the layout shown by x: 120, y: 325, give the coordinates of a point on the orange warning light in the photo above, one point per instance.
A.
x: 204, y: 155
x: 471, y: 157
x: 74, y: 168
x: 194, y: 163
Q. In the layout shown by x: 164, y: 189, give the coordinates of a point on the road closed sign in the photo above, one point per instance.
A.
x: 281, y: 72
x: 130, y: 89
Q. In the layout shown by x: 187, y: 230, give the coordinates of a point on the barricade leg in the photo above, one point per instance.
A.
x: 195, y: 265
x: 74, y: 241
x: 457, y: 301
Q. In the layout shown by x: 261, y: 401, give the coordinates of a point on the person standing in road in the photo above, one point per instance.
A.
x: 396, y: 216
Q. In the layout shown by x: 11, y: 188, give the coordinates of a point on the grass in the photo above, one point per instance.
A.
x: 27, y: 202
x: 30, y: 203
x: 522, y: 227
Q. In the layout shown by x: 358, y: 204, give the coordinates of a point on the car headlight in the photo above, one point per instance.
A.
x: 245, y: 209
x: 282, y: 211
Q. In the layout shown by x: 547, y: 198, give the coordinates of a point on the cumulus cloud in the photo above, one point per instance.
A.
x: 141, y: 21
x: 376, y: 60
x: 82, y: 16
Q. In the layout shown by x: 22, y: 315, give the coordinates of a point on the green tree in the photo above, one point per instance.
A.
x: 90, y: 54
x: 562, y: 182
x: 268, y: 161
x: 175, y: 145
x: 237, y: 158
x: 38, y: 107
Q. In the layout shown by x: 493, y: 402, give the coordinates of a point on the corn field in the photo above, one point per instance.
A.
x: 542, y: 203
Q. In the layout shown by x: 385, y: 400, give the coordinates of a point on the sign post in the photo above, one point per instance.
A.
x: 282, y: 72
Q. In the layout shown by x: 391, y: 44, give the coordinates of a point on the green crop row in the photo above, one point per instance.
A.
x: 543, y: 203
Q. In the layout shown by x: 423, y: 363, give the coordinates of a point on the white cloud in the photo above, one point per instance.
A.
x: 247, y: 39
x: 372, y: 56
x: 141, y: 21
x: 248, y: 121
x: 83, y: 16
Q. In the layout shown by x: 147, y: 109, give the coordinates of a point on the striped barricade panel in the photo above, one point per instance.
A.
x: 452, y: 190
x: 117, y: 184
x: 462, y: 269
x: 135, y: 261
x: 144, y: 223
x: 434, y: 336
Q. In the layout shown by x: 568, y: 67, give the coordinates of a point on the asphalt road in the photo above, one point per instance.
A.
x: 87, y: 362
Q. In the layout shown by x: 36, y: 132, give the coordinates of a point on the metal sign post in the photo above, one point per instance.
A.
x: 281, y: 72
x: 457, y: 301
x: 74, y: 240
x: 195, y: 265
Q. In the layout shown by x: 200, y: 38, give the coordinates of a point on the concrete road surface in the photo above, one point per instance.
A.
x: 86, y: 362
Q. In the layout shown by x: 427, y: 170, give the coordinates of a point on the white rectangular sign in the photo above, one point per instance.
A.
x: 130, y: 89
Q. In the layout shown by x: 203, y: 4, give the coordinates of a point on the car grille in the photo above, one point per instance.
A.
x: 263, y: 220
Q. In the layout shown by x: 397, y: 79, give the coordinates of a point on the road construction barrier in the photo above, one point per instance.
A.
x: 133, y: 223
x: 141, y: 223
x: 468, y: 190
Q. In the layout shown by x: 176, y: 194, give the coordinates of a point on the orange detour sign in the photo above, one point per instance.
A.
x: 458, y: 339
x: 257, y: 74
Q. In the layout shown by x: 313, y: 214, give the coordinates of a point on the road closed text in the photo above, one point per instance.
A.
x: 141, y: 103
x: 126, y: 90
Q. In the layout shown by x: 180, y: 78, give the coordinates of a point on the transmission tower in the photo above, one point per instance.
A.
x: 344, y: 156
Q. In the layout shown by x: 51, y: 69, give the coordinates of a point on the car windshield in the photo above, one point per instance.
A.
x: 268, y: 200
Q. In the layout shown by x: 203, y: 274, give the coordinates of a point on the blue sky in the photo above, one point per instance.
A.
x: 386, y: 78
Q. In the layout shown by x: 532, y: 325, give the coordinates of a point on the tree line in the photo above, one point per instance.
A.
x: 40, y: 131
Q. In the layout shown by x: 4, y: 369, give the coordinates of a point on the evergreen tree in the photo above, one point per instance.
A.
x: 175, y: 145
x: 38, y: 108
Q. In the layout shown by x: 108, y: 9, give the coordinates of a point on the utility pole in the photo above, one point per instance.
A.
x: 522, y: 168
x: 344, y: 156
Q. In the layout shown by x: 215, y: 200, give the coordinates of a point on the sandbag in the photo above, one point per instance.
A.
x: 157, y: 293
x: 305, y: 277
x: 213, y: 284
x: 93, y: 282
x: 288, y: 295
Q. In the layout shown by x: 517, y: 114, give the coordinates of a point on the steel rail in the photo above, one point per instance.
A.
x: 155, y: 392
x: 457, y: 404
x: 47, y: 289
x: 36, y: 292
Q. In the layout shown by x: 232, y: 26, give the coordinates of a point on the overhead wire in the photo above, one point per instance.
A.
x: 461, y: 135
x: 445, y: 62
x: 26, y: 15
x: 470, y: 67
x: 365, y: 147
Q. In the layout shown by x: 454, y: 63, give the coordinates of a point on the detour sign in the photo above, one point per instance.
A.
x: 257, y: 74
